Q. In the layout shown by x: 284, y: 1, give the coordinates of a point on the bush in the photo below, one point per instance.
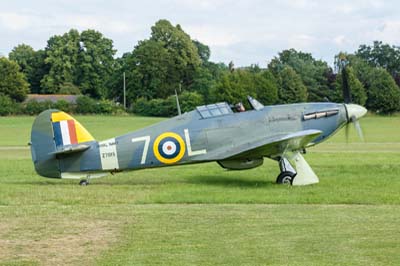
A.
x: 34, y: 107
x: 65, y: 106
x: 104, y: 107
x: 154, y: 107
x: 8, y: 106
x: 189, y: 100
x: 85, y: 105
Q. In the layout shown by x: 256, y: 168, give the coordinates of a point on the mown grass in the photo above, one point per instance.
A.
x: 202, y: 214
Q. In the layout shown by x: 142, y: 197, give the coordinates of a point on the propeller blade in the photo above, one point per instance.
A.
x: 346, y: 87
x: 357, y: 126
x: 359, y: 130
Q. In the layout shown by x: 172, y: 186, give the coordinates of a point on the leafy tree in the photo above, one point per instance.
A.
x: 31, y: 63
x: 357, y: 91
x: 361, y: 67
x: 266, y: 87
x: 12, y: 80
x: 203, y: 51
x: 382, y: 55
x: 62, y: 58
x: 314, y: 73
x: 69, y: 88
x: 151, y: 66
x: 23, y: 54
x: 291, y: 88
x: 383, y: 93
x: 233, y: 87
x: 84, y: 60
x: 206, y: 78
x: 114, y: 83
x: 96, y: 63
x: 160, y: 65
x: 203, y: 81
x: 180, y: 48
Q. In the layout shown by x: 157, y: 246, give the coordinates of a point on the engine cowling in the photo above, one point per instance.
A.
x: 241, y: 164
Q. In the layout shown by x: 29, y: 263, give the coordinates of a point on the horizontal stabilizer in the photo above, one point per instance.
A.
x: 70, y: 149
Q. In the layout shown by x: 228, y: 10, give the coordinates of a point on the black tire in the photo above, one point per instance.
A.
x: 285, y: 178
x: 83, y: 182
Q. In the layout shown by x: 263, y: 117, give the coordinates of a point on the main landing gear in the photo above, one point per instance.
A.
x: 295, y: 170
x: 288, y: 173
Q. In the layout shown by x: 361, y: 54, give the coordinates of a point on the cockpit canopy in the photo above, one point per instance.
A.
x: 223, y: 108
x: 213, y: 110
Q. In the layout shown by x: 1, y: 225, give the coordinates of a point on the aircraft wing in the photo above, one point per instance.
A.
x: 272, y: 147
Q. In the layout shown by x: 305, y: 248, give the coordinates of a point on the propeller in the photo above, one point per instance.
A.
x: 357, y: 126
x: 354, y: 111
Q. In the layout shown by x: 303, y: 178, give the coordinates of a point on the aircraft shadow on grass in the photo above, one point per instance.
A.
x: 229, y: 182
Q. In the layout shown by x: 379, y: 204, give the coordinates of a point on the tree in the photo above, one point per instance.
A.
x: 206, y: 78
x: 313, y: 73
x: 180, y: 48
x: 31, y: 63
x: 357, y: 91
x: 291, y: 88
x: 233, y: 87
x: 383, y: 93
x: 266, y: 87
x: 203, y: 51
x: 12, y: 81
x: 160, y: 65
x: 95, y: 63
x: 84, y: 60
x: 382, y: 55
x: 23, y: 54
x: 62, y: 58
x: 151, y: 67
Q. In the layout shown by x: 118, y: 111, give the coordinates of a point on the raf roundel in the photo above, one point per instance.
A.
x: 169, y: 148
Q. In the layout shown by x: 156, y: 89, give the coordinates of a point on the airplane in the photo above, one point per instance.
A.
x: 62, y: 148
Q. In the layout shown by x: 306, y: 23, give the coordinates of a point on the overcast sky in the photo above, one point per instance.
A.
x: 247, y: 32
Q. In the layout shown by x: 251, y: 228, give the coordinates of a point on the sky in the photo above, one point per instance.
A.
x: 245, y: 32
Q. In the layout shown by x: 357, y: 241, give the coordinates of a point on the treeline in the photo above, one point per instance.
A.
x: 84, y: 63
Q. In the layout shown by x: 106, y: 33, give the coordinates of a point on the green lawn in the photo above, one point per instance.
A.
x: 202, y: 214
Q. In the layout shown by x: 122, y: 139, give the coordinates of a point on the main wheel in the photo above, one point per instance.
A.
x: 285, y: 178
x: 83, y: 182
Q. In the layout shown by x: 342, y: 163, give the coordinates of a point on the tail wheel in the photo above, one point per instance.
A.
x: 84, y: 182
x: 285, y: 178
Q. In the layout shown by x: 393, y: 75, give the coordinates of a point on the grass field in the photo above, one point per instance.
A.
x: 201, y: 214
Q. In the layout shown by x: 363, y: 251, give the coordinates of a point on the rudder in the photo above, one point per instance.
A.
x: 52, y: 131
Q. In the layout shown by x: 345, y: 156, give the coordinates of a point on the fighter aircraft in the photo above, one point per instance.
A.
x: 62, y: 148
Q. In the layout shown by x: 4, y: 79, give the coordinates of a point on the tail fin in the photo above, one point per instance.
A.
x: 55, y: 132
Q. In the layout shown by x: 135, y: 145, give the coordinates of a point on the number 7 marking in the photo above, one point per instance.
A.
x: 146, y: 140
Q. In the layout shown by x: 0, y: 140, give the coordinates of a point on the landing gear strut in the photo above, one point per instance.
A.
x: 288, y: 173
